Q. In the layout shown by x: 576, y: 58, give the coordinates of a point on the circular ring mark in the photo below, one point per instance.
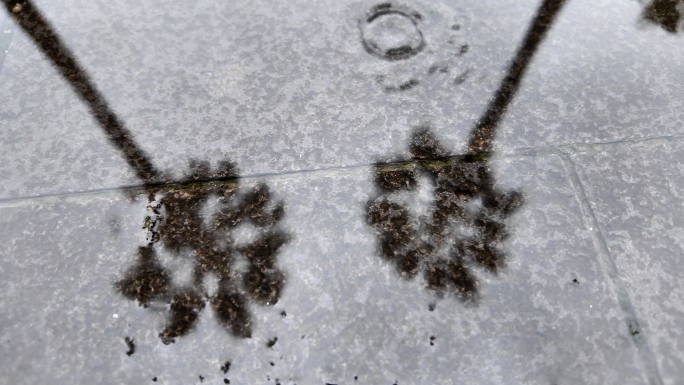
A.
x: 392, y: 33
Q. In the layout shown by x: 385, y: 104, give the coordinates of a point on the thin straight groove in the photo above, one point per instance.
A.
x: 607, y: 261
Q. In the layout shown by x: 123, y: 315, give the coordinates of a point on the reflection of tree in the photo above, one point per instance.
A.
x: 466, y: 221
x: 175, y: 220
x: 665, y: 13
x: 464, y: 226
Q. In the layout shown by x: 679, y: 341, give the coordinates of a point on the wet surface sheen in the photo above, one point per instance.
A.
x: 355, y: 192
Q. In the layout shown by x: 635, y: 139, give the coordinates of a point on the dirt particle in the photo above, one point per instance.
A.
x: 226, y: 381
x: 201, y: 378
x: 154, y: 379
x: 272, y: 342
x: 272, y: 363
x: 283, y: 314
x: 575, y: 281
x: 225, y: 367
x: 131, y: 346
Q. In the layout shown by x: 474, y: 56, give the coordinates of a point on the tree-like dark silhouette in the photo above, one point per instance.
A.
x: 467, y: 219
x: 464, y: 226
x: 175, y: 221
x: 664, y: 13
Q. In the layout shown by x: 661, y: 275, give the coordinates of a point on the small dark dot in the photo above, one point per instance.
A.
x: 432, y: 306
x: 226, y: 381
x: 356, y: 378
x: 225, y: 367
x: 201, y: 378
x: 575, y: 281
x: 455, y: 27
x: 154, y: 379
x: 283, y: 314
x: 272, y: 342
x: 272, y: 363
x: 432, y: 338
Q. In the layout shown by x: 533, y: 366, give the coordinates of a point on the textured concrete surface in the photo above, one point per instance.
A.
x: 348, y: 312
x: 276, y: 86
x: 582, y: 290
x: 635, y: 192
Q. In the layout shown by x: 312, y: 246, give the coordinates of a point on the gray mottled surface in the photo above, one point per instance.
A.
x: 275, y: 85
x: 287, y: 91
x: 636, y: 192
x: 348, y: 312
x: 605, y: 75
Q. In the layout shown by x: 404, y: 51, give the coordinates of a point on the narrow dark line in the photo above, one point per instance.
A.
x: 28, y: 17
x: 482, y: 135
x: 607, y: 261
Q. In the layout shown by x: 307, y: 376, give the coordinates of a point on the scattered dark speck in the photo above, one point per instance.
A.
x: 283, y: 314
x: 131, y: 346
x: 575, y: 281
x: 272, y: 342
x: 456, y: 27
x: 201, y: 378
x: 464, y: 49
x: 403, y: 87
x: 432, y: 306
x: 226, y: 381
x: 154, y: 379
x: 461, y: 78
x: 272, y: 363
x: 356, y: 378
x: 225, y: 367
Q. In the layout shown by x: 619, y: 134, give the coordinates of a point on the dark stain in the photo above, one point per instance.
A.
x: 356, y: 378
x: 432, y: 306
x: 131, y: 346
x: 465, y: 224
x: 270, y: 343
x: 456, y: 27
x: 272, y: 363
x: 154, y: 379
x: 403, y: 87
x: 663, y: 13
x: 226, y: 381
x: 174, y: 220
x: 201, y: 379
x: 575, y: 281
x: 460, y: 79
x: 225, y: 367
x: 442, y: 68
x: 283, y: 314
x: 463, y: 50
